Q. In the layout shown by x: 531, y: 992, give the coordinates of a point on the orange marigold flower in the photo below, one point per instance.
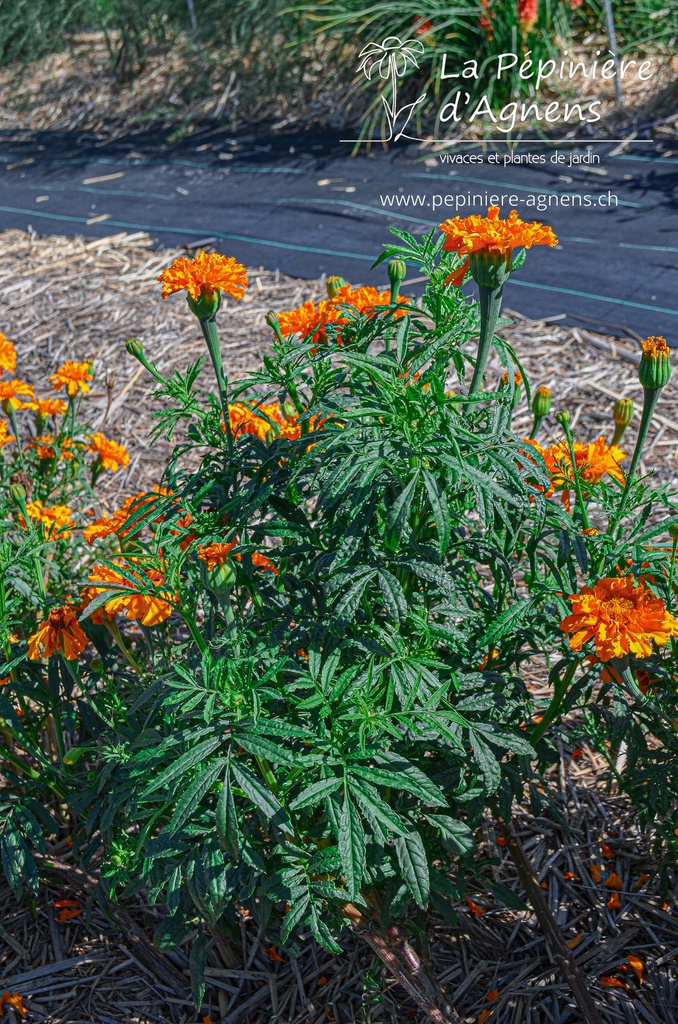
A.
x: 14, y: 1000
x: 593, y: 461
x: 109, y: 454
x: 73, y: 377
x: 107, y: 525
x: 260, y: 561
x: 5, y: 436
x: 12, y: 391
x: 44, y: 445
x: 306, y: 320
x: 216, y: 553
x: 257, y: 421
x: 56, y: 519
x: 366, y: 299
x: 60, y: 633
x: 466, y: 235
x: 45, y: 407
x: 209, y: 272
x: 621, y: 615
x: 149, y: 609
x: 7, y: 355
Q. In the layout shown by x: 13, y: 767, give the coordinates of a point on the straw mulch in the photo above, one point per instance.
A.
x: 81, y: 299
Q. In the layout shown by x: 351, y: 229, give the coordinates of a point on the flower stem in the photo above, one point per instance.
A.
x: 208, y: 325
x: 114, y: 630
x: 575, y: 475
x: 194, y: 631
x: 650, y: 399
x: 490, y: 306
x: 669, y: 599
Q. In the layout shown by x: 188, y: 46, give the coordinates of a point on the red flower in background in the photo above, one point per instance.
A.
x: 528, y: 12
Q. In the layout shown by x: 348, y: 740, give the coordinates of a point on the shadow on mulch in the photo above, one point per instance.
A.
x: 493, y: 964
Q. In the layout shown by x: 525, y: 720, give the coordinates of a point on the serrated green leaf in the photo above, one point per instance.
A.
x: 183, y: 764
x: 315, y: 793
x: 197, y: 965
x: 393, y: 596
x: 189, y: 801
x: 260, y: 795
x: 228, y: 831
x: 440, y: 509
x: 414, y: 864
x: 294, y: 916
x: 351, y: 846
x: 400, y: 510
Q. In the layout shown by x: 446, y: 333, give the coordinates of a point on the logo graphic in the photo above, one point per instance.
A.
x: 392, y: 59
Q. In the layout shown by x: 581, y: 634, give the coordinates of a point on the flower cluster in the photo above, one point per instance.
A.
x: 310, y: 320
x: 593, y: 461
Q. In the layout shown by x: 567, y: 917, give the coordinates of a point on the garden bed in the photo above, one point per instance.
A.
x: 83, y: 299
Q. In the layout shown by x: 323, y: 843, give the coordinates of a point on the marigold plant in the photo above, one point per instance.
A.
x: 289, y: 677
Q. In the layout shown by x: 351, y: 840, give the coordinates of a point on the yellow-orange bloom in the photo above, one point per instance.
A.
x: 45, y: 407
x: 149, y: 608
x: 44, y: 444
x: 209, y: 272
x: 621, y: 615
x: 366, y: 299
x: 5, y: 436
x: 60, y: 633
x: 109, y: 454
x: 55, y: 519
x: 12, y: 391
x: 7, y: 355
x: 306, y: 320
x: 73, y: 377
x: 260, y: 561
x: 466, y: 235
x: 108, y: 525
x: 259, y: 421
x: 216, y: 553
x: 593, y: 460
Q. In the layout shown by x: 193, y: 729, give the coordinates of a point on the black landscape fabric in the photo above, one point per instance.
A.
x: 307, y: 205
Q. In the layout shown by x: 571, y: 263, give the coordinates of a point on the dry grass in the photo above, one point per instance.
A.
x: 80, y: 299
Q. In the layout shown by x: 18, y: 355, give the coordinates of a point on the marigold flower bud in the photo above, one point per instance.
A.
x: 396, y: 274
x: 623, y: 411
x: 289, y: 410
x: 220, y: 580
x: 654, y: 371
x: 623, y: 414
x: 541, y: 403
x: 333, y: 285
x: 563, y: 417
x: 673, y: 531
x: 271, y: 318
x: 17, y: 493
x: 135, y: 347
